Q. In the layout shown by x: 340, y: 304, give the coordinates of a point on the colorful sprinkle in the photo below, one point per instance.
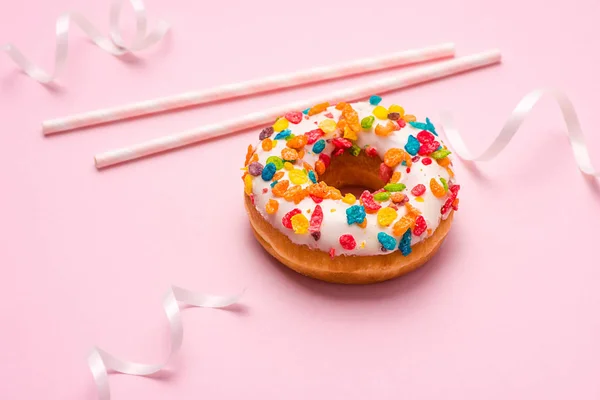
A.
x: 428, y: 148
x: 266, y: 133
x: 419, y: 199
x: 273, y: 184
x: 298, y: 177
x: 278, y: 175
x: 355, y: 214
x: 386, y: 216
x: 399, y: 198
x: 295, y: 193
x: 314, y: 135
x: 349, y: 198
x: 374, y: 100
x: 267, y: 144
x: 382, y: 196
x: 427, y: 126
x: 394, y: 116
x: 312, y: 177
x: 355, y: 150
x: 316, y: 109
x: 385, y: 130
x: 395, y: 108
x: 371, y: 151
x: 439, y: 154
x: 287, y: 218
x: 248, y: 184
x: 444, y: 183
x: 299, y: 224
x: 316, y: 235
x: 281, y: 124
x: 350, y: 134
x: 288, y: 166
x: 289, y: 154
x: 403, y: 224
x: 305, y: 112
x: 437, y: 189
x: 327, y: 126
x: 380, y: 112
x: 395, y: 156
x: 278, y: 162
x: 272, y: 206
x: 283, y: 134
x: 347, y: 242
x: 297, y: 142
x: 385, y: 172
x: 255, y: 168
x: 366, y: 198
x: 425, y: 137
x: 280, y: 188
x: 420, y: 226
x: 418, y: 190
x: 319, y: 146
x: 316, y: 219
x: 367, y: 122
x: 412, y: 146
x: 426, y: 161
x: 404, y: 245
x: 268, y: 171
x: 332, y: 253
x: 295, y: 117
x: 395, y: 187
x: 387, y: 241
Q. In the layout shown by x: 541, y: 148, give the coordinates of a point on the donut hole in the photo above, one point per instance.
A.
x: 352, y: 174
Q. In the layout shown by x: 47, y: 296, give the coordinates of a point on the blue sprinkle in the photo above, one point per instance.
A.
x: 387, y: 241
x: 356, y: 214
x: 274, y: 183
x: 404, y: 246
x: 430, y: 126
x: 418, y: 125
x: 375, y: 100
x: 404, y: 163
x: 283, y: 134
x: 305, y: 112
x: 319, y: 146
x: 439, y: 148
x: 412, y: 146
x: 268, y: 171
x: 311, y: 176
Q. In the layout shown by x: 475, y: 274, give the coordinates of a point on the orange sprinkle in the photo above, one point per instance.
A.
x: 318, y: 108
x: 267, y: 144
x: 272, y: 206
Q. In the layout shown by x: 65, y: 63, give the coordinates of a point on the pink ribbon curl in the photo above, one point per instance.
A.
x: 100, y: 362
x: 114, y: 44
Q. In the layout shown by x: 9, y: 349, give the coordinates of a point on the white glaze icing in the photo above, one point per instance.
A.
x: 334, y: 211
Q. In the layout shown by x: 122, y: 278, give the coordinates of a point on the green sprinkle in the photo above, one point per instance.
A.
x: 367, y: 122
x: 395, y: 187
x: 382, y: 196
x: 354, y: 150
x: 277, y: 161
x: 439, y: 154
x: 444, y: 183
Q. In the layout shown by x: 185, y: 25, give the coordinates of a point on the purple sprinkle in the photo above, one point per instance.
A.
x: 316, y: 235
x: 265, y: 133
x: 255, y: 168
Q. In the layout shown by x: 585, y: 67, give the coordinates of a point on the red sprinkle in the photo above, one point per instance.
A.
x: 402, y: 123
x: 428, y: 148
x: 385, y: 173
x: 316, y: 235
x: 338, y: 152
x: 315, y: 198
x: 265, y: 190
x: 332, y: 253
x: 287, y: 218
x: 252, y: 199
x: 408, y: 170
x: 425, y: 137
x: 371, y: 151
x: 342, y: 143
x: 426, y: 161
x: 418, y: 190
x: 315, y: 220
x: 326, y: 159
x: 314, y: 135
x: 294, y: 117
x: 329, y: 115
x: 347, y: 242
x: 415, y: 158
x: 420, y: 226
x: 368, y: 202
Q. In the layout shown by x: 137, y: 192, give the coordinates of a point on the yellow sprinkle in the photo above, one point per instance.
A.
x: 349, y: 198
x: 380, y: 112
x: 419, y: 199
x: 308, y: 211
x: 288, y: 165
x: 349, y: 134
x: 362, y: 244
x: 281, y: 124
x: 327, y: 125
x: 248, y: 184
x: 298, y: 177
x: 386, y: 215
x: 397, y: 108
x: 299, y: 224
x: 274, y: 143
x: 333, y: 210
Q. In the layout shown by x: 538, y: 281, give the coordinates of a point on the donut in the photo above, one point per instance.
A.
x: 299, y: 211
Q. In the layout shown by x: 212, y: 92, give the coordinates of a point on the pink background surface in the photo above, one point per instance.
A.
x: 508, y: 309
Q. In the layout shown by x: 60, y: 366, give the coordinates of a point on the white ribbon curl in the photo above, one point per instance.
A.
x: 512, y: 125
x: 100, y: 361
x: 114, y: 45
